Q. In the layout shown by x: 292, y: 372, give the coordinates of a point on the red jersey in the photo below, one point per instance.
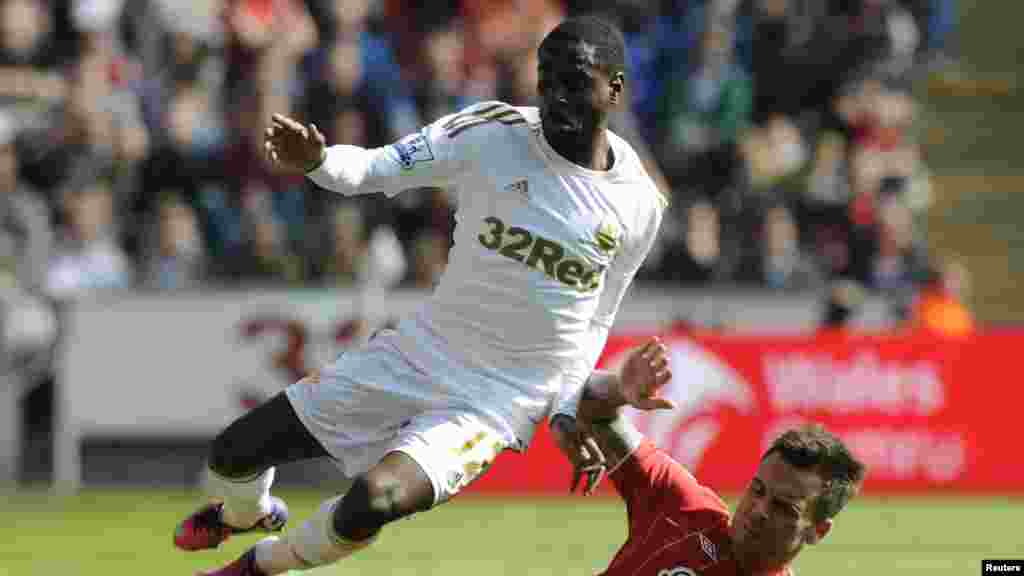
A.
x: 677, y: 527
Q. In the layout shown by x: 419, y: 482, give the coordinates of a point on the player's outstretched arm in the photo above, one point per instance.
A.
x: 434, y: 156
x: 293, y: 146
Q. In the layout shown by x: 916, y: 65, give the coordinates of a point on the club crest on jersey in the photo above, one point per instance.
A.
x: 677, y: 571
x: 606, y: 238
x: 412, y: 149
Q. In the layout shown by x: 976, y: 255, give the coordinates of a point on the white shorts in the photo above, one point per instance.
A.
x: 371, y: 401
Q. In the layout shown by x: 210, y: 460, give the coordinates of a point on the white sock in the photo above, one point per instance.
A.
x: 313, y: 544
x: 246, y: 501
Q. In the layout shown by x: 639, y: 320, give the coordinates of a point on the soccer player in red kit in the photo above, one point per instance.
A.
x: 679, y: 527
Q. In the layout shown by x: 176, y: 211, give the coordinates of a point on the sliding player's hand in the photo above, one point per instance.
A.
x: 294, y: 146
x: 581, y: 449
x: 643, y: 375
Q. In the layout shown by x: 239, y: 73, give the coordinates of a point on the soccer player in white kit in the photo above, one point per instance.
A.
x: 555, y: 215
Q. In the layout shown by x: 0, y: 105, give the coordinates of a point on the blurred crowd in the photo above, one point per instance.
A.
x: 785, y: 132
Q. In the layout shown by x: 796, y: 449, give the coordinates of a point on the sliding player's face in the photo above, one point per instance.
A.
x: 576, y: 91
x: 774, y: 519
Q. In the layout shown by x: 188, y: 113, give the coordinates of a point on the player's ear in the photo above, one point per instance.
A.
x: 618, y: 86
x: 815, y: 532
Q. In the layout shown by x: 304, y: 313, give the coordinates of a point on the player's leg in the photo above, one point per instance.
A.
x: 431, y: 460
x: 241, y: 470
x: 396, y: 487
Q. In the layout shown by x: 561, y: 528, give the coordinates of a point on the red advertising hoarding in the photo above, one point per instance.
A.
x: 925, y: 413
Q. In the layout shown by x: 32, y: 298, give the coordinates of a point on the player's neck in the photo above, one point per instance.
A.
x: 591, y: 151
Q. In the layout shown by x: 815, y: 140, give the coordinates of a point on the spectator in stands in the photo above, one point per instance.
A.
x: 265, y: 256
x: 360, y: 256
x: 495, y: 31
x: 31, y: 57
x: 440, y: 88
x: 661, y: 39
x: 348, y: 260
x: 25, y: 234
x: 354, y: 66
x: 773, y: 152
x: 182, y: 108
x: 784, y: 264
x: 941, y: 305
x: 842, y: 302
x: 899, y: 263
x: 182, y: 105
x: 429, y: 258
x: 775, y: 65
x: 705, y: 111
x: 264, y: 44
x: 517, y: 79
x: 694, y: 257
x: 88, y: 257
x: 108, y: 78
x: 177, y: 260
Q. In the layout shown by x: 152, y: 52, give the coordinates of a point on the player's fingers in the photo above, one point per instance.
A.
x: 318, y: 137
x: 593, y: 473
x: 594, y: 477
x: 287, y: 123
x: 658, y: 403
x: 662, y: 377
x: 659, y: 362
x: 586, y: 455
x: 293, y: 130
x: 280, y: 122
x: 648, y: 349
x: 596, y: 456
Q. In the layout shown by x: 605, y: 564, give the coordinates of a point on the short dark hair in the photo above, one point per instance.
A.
x: 812, y: 447
x: 597, y: 31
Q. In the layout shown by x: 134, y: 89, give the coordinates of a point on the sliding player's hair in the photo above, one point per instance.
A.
x: 813, y: 448
x: 598, y: 32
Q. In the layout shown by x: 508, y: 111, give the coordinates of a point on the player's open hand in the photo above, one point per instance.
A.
x: 581, y: 450
x: 643, y: 375
x: 294, y: 146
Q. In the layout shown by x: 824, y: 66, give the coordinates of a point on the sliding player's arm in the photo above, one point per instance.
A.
x: 636, y: 384
x: 648, y: 479
x: 433, y: 157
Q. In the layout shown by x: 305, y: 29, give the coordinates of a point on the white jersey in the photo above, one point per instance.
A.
x: 544, y: 252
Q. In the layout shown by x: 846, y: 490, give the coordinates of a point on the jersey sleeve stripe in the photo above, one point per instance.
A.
x: 469, y: 125
x: 489, y: 115
x: 496, y: 115
x: 461, y: 116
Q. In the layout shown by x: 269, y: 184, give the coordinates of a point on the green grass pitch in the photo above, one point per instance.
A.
x: 106, y: 532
